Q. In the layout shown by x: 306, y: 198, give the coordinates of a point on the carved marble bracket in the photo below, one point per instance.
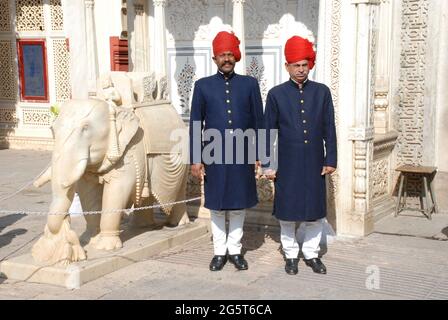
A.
x: 355, y: 2
x: 160, y: 3
x: 361, y: 133
x: 381, y: 114
x: 384, y: 143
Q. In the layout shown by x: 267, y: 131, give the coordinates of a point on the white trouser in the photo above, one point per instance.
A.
x: 232, y: 242
x: 289, y: 236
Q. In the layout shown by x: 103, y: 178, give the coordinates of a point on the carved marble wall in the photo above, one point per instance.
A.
x: 8, y: 115
x: 8, y: 83
x: 61, y: 58
x: 308, y: 14
x: 335, y: 42
x: 57, y: 19
x: 5, y: 24
x: 410, y: 111
x: 262, y: 18
x: 189, y: 20
x: 24, y: 121
x: 265, y: 64
x: 30, y: 15
x: 36, y: 117
x: 185, y: 66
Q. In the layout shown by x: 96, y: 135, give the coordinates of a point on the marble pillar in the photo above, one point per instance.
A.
x: 74, y: 30
x: 362, y: 132
x: 382, y: 77
x: 139, y: 63
x: 92, y: 54
x: 238, y: 28
x: 160, y: 50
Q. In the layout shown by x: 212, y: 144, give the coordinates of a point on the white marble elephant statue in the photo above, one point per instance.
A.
x: 101, y: 153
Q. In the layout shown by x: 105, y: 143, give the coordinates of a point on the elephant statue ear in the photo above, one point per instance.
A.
x: 127, y: 126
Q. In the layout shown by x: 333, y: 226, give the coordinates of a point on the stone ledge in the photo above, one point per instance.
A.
x: 138, y: 248
x: 26, y: 143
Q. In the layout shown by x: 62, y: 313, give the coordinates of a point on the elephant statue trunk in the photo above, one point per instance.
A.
x: 59, y: 242
x: 113, y: 153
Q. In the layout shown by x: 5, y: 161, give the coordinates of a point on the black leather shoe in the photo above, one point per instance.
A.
x: 316, y: 265
x: 218, y: 263
x: 239, y: 261
x: 291, y: 266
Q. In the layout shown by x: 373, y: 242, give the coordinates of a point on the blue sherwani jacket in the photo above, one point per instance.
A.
x: 226, y: 105
x: 306, y: 142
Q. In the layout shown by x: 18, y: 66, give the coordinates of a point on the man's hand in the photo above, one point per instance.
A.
x: 327, y: 170
x: 270, y: 174
x: 197, y: 171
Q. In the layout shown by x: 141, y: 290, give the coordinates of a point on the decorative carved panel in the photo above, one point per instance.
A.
x: 380, y: 178
x: 377, y: 184
x: 308, y: 14
x: 262, y: 18
x: 8, y: 115
x: 5, y: 19
x: 8, y: 82
x: 414, y: 33
x: 185, y: 66
x: 187, y: 20
x: 30, y: 15
x: 61, y: 70
x: 373, y: 54
x: 57, y: 19
x: 335, y: 52
x: 333, y: 181
x: 265, y: 65
x: 36, y: 117
x: 185, y: 80
x: 256, y: 69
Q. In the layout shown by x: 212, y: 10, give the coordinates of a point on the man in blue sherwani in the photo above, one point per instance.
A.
x: 302, y: 112
x: 223, y: 107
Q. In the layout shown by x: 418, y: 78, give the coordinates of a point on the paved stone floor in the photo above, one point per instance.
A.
x: 406, y: 258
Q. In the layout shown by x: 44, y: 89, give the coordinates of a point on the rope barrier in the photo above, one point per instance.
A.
x: 127, y: 211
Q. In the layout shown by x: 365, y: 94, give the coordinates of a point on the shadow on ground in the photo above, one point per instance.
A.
x: 445, y: 231
x: 8, y: 220
x: 7, y: 238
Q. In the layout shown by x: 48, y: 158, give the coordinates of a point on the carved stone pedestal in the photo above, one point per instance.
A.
x: 142, y: 244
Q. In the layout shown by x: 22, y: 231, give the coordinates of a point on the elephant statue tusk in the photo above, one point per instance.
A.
x: 77, y: 173
x: 43, y: 178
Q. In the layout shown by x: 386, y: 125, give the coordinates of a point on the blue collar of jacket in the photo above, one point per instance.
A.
x: 296, y: 85
x: 222, y: 76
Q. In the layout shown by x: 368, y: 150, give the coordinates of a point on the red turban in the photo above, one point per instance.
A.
x: 226, y: 41
x: 297, y: 49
